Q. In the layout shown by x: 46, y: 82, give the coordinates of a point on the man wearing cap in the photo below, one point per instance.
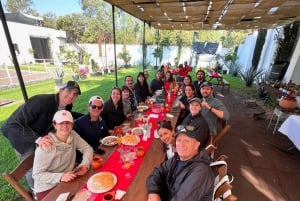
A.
x: 33, y: 120
x: 56, y: 163
x: 197, y: 121
x: 212, y: 108
x: 186, y: 176
x: 91, y: 127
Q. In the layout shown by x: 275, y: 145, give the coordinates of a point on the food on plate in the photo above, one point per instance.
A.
x: 109, y: 140
x: 142, y: 107
x: 130, y: 139
x: 102, y: 182
x: 137, y: 131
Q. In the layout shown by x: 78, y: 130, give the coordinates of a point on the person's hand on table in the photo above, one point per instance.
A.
x: 45, y: 142
x: 111, y: 132
x: 80, y: 170
x: 69, y: 176
x: 129, y: 116
x: 153, y: 197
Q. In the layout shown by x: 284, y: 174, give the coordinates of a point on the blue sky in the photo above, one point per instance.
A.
x: 59, y: 7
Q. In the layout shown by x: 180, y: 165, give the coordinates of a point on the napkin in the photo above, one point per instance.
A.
x: 170, y: 115
x: 155, y: 116
x: 62, y: 197
x: 119, y: 194
x: 156, y: 134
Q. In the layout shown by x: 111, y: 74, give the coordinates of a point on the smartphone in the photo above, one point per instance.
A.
x: 99, y: 151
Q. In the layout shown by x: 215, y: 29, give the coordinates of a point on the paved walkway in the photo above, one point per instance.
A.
x: 28, y: 77
x: 262, y: 170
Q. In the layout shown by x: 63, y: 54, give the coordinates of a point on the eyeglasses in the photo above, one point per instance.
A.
x: 185, y: 127
x: 98, y: 107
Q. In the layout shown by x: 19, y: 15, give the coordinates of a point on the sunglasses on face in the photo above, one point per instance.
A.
x: 98, y: 107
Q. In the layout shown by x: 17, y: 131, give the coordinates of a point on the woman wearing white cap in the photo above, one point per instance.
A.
x: 56, y: 163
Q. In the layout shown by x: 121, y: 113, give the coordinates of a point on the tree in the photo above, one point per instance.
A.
x: 260, y: 41
x: 17, y: 6
x: 49, y: 20
x: 74, y: 25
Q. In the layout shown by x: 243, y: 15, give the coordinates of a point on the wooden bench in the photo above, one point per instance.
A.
x: 224, y: 83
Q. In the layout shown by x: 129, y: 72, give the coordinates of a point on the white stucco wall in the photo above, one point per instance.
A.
x: 293, y: 71
x: 20, y: 34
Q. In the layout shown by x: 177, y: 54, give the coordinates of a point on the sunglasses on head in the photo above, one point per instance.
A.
x: 98, y: 107
x: 185, y: 127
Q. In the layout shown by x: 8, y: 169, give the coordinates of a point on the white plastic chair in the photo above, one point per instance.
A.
x: 280, y: 115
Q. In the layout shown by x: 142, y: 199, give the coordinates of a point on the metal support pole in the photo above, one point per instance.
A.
x: 115, y: 52
x: 13, y: 53
x: 144, y: 46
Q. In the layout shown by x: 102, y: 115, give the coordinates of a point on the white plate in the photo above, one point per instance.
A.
x: 92, y: 187
x: 109, y: 141
x: 142, y: 107
x: 130, y: 143
x: 137, y: 131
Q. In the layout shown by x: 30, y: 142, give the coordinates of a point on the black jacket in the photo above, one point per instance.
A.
x: 112, y: 116
x: 201, y: 125
x: 31, y: 120
x: 194, y: 182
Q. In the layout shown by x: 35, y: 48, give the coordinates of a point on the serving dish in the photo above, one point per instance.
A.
x: 101, y: 182
x: 137, y: 131
x: 142, y: 108
x: 109, y: 141
x: 130, y: 139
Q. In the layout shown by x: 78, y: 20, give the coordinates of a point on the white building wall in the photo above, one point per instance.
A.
x: 245, y: 51
x: 293, y: 71
x: 267, y: 54
x: 20, y: 34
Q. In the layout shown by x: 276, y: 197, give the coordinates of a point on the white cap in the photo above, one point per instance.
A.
x: 61, y: 116
x: 96, y: 98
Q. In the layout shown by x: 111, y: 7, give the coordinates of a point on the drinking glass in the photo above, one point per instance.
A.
x: 126, y: 158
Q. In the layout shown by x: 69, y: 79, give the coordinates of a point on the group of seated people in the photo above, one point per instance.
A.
x: 31, y: 126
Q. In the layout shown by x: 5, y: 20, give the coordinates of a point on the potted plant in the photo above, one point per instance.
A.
x: 124, y: 55
x: 57, y: 74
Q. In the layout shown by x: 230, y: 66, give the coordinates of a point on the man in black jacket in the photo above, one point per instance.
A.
x: 187, y: 176
x: 32, y: 121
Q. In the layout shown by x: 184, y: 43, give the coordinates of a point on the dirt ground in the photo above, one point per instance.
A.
x: 262, y: 168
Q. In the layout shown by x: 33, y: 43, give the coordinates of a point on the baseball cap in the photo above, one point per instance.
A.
x: 71, y: 85
x: 188, y: 130
x: 198, y: 100
x: 96, y: 98
x: 206, y: 84
x: 61, y: 116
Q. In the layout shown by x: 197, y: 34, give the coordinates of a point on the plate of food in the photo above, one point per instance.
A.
x: 142, y: 108
x: 101, y: 182
x: 109, y: 141
x: 130, y: 139
x: 137, y: 131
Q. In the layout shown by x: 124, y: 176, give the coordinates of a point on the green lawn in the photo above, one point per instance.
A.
x: 101, y: 85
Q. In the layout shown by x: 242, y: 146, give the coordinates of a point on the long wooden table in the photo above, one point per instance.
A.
x: 137, y: 189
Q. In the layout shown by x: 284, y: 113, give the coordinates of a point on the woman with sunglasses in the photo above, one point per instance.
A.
x: 91, y: 127
x: 113, y: 112
x: 165, y: 132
